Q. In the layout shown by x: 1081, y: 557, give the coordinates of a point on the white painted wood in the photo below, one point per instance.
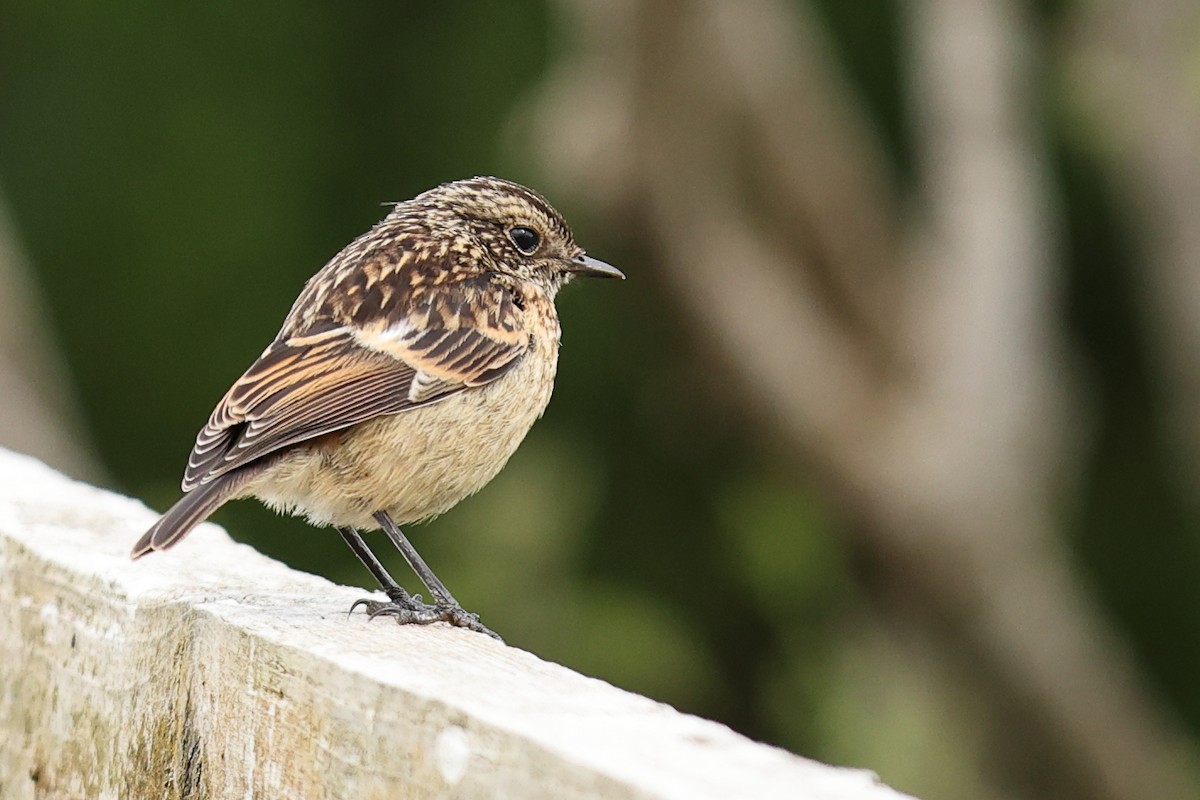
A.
x: 211, y: 671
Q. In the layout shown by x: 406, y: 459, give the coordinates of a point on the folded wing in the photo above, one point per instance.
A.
x: 305, y: 386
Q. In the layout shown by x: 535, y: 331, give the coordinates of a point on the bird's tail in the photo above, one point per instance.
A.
x: 191, y: 509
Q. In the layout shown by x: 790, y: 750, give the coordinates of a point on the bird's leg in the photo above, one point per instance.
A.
x: 447, y: 607
x: 406, y: 607
x: 441, y: 595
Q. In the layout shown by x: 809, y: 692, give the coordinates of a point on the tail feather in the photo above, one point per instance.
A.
x: 191, y: 509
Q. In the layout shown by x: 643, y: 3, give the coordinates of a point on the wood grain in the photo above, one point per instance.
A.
x: 212, y: 671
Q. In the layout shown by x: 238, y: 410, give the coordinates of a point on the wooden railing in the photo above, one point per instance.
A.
x: 211, y: 671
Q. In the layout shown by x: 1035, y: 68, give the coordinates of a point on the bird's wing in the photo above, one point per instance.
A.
x: 305, y: 386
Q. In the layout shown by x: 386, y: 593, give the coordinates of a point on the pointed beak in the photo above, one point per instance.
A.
x: 590, y: 267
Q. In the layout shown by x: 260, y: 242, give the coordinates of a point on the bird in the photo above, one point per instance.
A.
x: 408, y: 371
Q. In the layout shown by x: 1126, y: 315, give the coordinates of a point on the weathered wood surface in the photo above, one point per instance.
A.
x: 212, y: 671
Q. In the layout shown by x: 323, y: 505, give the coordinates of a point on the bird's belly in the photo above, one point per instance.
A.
x: 415, y: 464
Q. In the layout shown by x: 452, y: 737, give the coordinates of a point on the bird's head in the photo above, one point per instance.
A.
x: 520, y: 233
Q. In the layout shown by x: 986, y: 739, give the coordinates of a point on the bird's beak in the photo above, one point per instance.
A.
x: 590, y: 267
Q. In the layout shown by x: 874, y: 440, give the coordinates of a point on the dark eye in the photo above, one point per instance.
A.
x: 526, y: 239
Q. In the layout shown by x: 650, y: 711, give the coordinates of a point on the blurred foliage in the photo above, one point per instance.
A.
x: 177, y: 171
x: 1134, y: 529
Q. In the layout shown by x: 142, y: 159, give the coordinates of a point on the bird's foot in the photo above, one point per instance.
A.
x: 409, y: 610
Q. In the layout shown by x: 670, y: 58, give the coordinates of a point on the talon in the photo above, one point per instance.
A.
x: 405, y: 611
x: 459, y: 617
x: 409, y: 610
x: 381, y: 611
x: 402, y: 615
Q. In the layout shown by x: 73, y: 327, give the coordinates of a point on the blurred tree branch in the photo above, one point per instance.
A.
x: 36, y: 414
x: 917, y: 357
x: 1134, y: 75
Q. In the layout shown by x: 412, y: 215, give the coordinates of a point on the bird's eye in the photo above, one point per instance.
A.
x: 526, y: 239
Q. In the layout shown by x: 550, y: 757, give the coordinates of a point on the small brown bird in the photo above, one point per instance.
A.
x: 407, y: 372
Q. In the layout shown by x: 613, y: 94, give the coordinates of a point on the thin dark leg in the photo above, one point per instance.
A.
x: 441, y: 595
x: 447, y: 607
x: 368, y: 559
x: 404, y: 607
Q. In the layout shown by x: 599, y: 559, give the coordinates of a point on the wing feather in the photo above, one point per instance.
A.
x: 308, y: 385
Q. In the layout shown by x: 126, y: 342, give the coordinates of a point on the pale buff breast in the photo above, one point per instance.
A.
x: 418, y: 463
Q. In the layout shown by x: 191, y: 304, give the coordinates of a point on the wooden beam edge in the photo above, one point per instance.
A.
x: 212, y: 670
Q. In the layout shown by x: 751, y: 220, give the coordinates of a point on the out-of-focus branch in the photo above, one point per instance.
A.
x: 36, y: 416
x: 635, y: 114
x: 1134, y: 75
x: 848, y: 205
x: 934, y: 395
x: 712, y: 236
x: 989, y: 430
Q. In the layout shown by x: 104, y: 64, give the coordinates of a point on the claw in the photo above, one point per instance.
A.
x: 354, y: 606
x: 414, y: 612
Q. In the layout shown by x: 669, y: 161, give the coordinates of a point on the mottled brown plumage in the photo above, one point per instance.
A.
x: 407, y: 372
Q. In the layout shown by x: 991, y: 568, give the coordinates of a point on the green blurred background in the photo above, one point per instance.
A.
x: 175, y: 172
